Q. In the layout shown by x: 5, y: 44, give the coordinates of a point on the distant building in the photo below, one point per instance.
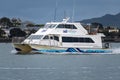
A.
x: 113, y: 30
x: 7, y: 33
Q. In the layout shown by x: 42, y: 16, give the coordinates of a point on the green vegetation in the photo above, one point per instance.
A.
x: 17, y: 32
x: 2, y: 32
x: 5, y: 22
x: 16, y: 29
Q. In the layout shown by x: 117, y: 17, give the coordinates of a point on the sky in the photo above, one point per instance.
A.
x: 42, y: 11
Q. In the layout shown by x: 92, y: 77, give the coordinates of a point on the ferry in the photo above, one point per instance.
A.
x: 63, y: 38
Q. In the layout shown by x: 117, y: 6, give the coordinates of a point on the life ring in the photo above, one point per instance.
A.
x: 107, y: 45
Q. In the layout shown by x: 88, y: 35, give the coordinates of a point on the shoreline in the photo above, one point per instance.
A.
x: 5, y: 40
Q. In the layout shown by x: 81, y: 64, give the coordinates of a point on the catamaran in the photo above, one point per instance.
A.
x: 63, y: 38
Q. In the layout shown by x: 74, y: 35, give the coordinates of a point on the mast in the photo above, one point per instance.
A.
x: 73, y: 12
x: 56, y: 4
x: 65, y: 14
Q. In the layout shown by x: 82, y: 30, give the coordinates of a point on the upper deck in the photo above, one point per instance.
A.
x: 63, y: 27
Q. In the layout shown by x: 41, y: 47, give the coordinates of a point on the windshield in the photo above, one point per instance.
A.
x: 49, y: 25
x: 35, y: 37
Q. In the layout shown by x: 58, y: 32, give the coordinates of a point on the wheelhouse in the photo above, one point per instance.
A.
x: 66, y: 26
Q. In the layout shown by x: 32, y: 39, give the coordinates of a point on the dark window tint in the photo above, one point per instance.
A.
x: 51, y: 37
x: 46, y: 37
x: 76, y: 39
x: 35, y: 37
x: 67, y: 26
x: 56, y: 38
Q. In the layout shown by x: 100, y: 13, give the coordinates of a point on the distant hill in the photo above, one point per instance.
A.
x: 106, y: 20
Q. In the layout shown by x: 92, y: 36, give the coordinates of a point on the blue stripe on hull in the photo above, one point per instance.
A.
x: 74, y: 50
x: 71, y: 50
x: 57, y: 51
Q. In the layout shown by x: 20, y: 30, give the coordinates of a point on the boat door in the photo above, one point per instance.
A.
x: 52, y: 40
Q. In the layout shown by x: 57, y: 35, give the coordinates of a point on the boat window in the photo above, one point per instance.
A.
x: 51, y: 37
x: 46, y: 26
x: 67, y: 26
x: 35, y: 37
x: 56, y: 38
x: 60, y: 26
x: 46, y: 37
x: 77, y: 39
x: 49, y: 25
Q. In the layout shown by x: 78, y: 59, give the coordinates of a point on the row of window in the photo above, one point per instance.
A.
x: 50, y: 26
x: 67, y: 26
x: 64, y: 39
x: 76, y: 39
x: 35, y: 37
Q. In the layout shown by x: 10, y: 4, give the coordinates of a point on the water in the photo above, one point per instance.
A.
x: 58, y: 67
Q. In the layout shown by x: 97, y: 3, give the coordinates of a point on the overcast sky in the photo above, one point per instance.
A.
x: 42, y: 11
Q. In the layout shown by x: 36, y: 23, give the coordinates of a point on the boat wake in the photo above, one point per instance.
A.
x: 13, y: 51
x: 116, y: 50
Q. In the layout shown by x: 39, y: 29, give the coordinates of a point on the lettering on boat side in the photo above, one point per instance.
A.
x: 43, y: 30
x: 65, y: 31
x: 69, y: 31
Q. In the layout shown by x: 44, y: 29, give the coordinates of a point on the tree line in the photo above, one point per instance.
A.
x: 16, y: 22
x: 17, y: 32
x: 7, y: 22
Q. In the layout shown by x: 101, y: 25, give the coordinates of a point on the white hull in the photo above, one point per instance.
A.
x: 68, y: 50
x: 25, y: 48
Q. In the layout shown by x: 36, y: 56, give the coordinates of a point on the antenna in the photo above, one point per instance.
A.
x: 73, y: 10
x: 65, y: 20
x: 65, y: 14
x: 56, y: 4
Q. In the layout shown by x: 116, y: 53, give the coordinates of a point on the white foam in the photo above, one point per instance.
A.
x: 13, y: 51
x: 116, y: 50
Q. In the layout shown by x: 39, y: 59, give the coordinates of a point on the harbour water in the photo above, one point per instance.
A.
x: 58, y: 67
